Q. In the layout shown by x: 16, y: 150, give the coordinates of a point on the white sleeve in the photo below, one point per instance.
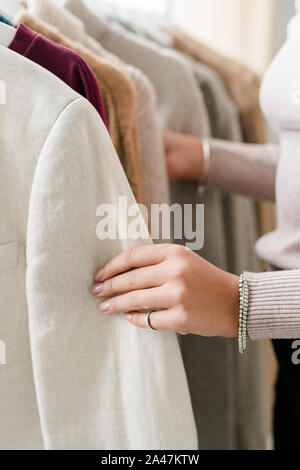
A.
x: 246, y: 169
x: 100, y: 382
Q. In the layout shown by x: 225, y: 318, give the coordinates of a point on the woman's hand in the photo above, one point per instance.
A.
x: 190, y: 294
x: 184, y: 154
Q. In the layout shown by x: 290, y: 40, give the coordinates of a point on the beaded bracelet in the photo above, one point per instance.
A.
x: 244, y: 303
x: 206, y: 149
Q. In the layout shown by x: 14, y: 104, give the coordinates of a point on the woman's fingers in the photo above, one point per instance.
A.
x: 159, y: 320
x: 135, y: 257
x: 137, y: 300
x: 141, y: 278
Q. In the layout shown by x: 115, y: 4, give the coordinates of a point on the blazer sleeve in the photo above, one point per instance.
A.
x: 274, y: 305
x: 245, y: 169
x: 100, y: 383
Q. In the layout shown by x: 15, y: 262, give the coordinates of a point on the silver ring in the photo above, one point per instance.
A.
x: 147, y: 321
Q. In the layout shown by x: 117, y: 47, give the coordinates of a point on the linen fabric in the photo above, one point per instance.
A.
x: 74, y: 378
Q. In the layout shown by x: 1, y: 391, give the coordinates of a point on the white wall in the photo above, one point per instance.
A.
x: 242, y: 29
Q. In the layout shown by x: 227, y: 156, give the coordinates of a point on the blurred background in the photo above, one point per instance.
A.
x: 250, y: 31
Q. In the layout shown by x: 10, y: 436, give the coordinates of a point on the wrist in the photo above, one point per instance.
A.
x: 232, y: 311
x: 194, y: 160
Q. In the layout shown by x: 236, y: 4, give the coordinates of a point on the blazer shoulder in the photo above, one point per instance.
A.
x: 17, y: 70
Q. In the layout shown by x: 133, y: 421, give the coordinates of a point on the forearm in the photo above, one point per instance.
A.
x: 274, y: 305
x: 245, y: 169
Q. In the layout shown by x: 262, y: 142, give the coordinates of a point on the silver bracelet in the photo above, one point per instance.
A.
x: 244, y: 304
x: 206, y: 165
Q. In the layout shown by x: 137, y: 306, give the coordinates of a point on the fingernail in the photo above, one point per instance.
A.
x: 99, y: 275
x: 97, y: 289
x: 104, y: 307
x: 128, y: 316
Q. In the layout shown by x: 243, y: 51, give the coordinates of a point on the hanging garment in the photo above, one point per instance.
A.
x: 81, y: 380
x: 247, y: 398
x: 243, y: 84
x: 144, y: 24
x: 224, y: 124
x: 119, y: 95
x: 158, y: 64
x: 250, y: 397
x: 247, y: 407
x: 149, y: 129
x: 239, y: 213
x: 225, y: 417
x: 159, y: 33
x: 223, y: 113
x: 225, y: 414
x: 181, y: 109
x: 64, y: 63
